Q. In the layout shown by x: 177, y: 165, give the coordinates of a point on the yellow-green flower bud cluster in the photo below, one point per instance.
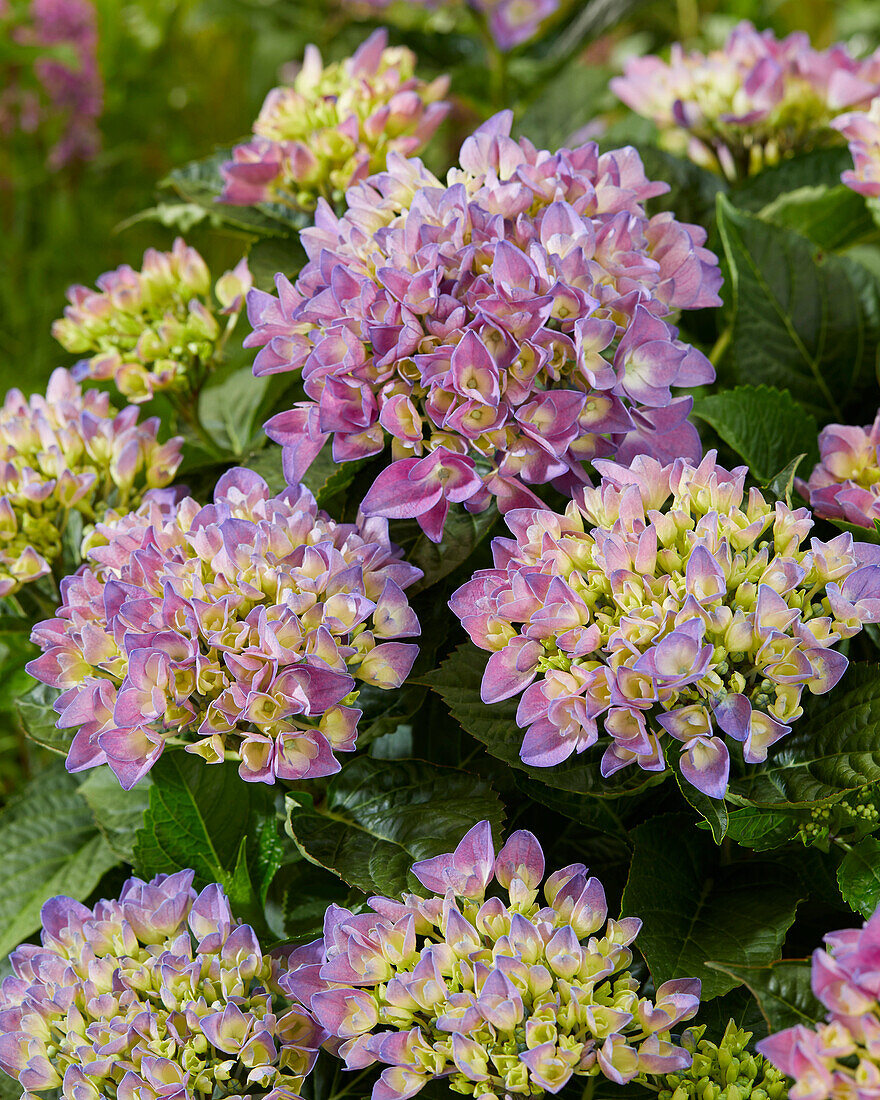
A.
x: 727, y: 1070
x: 155, y: 329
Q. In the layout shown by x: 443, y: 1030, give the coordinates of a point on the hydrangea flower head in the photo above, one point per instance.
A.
x: 665, y: 609
x: 53, y: 96
x: 862, y: 130
x: 67, y: 452
x: 724, y: 1071
x: 497, y: 330
x: 839, y: 1057
x: 157, y: 329
x: 845, y: 484
x: 752, y: 102
x: 501, y: 994
x: 159, y: 994
x: 241, y: 628
x: 334, y: 125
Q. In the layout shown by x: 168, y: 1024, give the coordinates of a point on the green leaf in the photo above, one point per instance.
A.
x: 462, y: 534
x: 458, y: 682
x: 834, y: 748
x: 50, y: 846
x: 38, y: 718
x: 228, y: 407
x: 761, y: 830
x: 781, y: 485
x: 272, y: 256
x: 738, y: 1005
x: 10, y: 1089
x: 712, y: 810
x: 199, y: 816
x: 802, y: 319
x: 380, y: 816
x: 782, y: 990
x: 859, y: 876
x: 832, y: 217
x: 695, y: 909
x: 118, y: 814
x: 766, y: 427
x: 818, y: 168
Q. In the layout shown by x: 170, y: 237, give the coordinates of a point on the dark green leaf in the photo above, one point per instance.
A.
x: 458, y: 682
x: 199, y: 816
x: 818, y: 168
x: 761, y: 830
x: 765, y: 426
x: 38, y: 718
x: 859, y: 876
x: 803, y: 320
x: 50, y: 846
x: 738, y: 1005
x: 463, y: 533
x: 695, y: 909
x: 381, y: 816
x: 781, y: 485
x: 782, y: 990
x: 832, y: 217
x: 228, y: 407
x: 118, y: 814
x: 834, y: 748
x: 267, y: 258
x: 712, y: 810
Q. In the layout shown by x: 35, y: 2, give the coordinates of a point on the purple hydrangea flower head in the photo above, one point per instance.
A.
x: 334, y: 125
x: 846, y: 482
x: 501, y: 994
x: 862, y: 130
x: 665, y: 609
x: 159, y: 994
x: 51, y: 95
x: 498, y: 330
x: 155, y: 329
x: 243, y: 628
x: 66, y: 452
x: 839, y: 1057
x: 752, y: 102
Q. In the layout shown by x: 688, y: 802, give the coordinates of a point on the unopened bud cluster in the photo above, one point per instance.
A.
x: 156, y: 329
x: 724, y: 1071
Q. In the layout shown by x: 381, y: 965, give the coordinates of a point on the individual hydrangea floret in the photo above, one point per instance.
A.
x: 159, y: 994
x: 862, y: 130
x: 334, y: 125
x: 509, y: 22
x: 845, y: 484
x: 839, y: 1057
x: 55, y: 96
x: 498, y: 995
x: 241, y: 628
x: 664, y: 608
x: 751, y: 103
x: 63, y: 453
x: 498, y: 330
x: 724, y: 1071
x: 153, y: 330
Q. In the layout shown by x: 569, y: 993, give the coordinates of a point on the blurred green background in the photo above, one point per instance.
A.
x: 184, y: 76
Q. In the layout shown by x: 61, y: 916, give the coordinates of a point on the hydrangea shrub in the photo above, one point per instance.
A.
x: 561, y: 527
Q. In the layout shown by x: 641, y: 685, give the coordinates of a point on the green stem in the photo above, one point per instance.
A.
x: 721, y: 345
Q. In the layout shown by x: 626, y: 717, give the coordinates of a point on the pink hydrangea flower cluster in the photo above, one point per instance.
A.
x: 63, y: 99
x: 241, y: 629
x: 153, y: 330
x: 159, y: 994
x: 840, y: 1057
x: 845, y: 484
x: 497, y: 995
x: 862, y: 130
x: 672, y: 607
x: 499, y: 330
x: 510, y: 22
x: 750, y: 103
x: 334, y: 125
x: 69, y: 452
